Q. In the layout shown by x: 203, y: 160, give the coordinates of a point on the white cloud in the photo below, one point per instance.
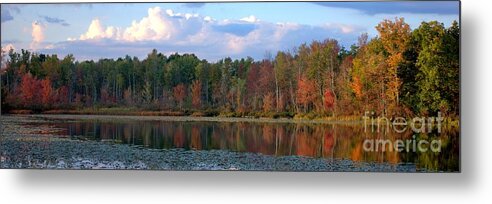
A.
x: 347, y: 29
x: 202, y: 36
x: 189, y: 15
x: 153, y: 27
x: 8, y: 47
x: 156, y: 26
x: 5, y: 50
x: 236, y: 44
x: 208, y: 19
x: 250, y: 19
x: 167, y: 25
x: 171, y: 32
x: 37, y: 34
x: 170, y: 12
x: 97, y: 31
x: 284, y: 28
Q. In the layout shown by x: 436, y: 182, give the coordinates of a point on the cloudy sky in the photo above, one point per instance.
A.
x: 210, y: 30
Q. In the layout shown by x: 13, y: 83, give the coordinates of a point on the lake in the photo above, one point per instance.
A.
x: 317, y: 140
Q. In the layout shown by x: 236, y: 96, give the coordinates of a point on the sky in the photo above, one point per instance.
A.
x: 210, y: 30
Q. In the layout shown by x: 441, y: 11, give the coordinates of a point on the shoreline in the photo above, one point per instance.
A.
x: 450, y: 123
x: 22, y: 149
x: 190, y: 119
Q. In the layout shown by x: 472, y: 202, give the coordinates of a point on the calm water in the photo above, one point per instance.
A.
x: 279, y: 139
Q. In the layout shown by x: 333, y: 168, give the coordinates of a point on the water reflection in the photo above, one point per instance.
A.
x: 312, y: 140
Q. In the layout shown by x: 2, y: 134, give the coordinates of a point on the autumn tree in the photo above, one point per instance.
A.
x: 395, y: 37
x: 196, y: 93
x: 346, y: 99
x: 61, y: 97
x: 368, y: 73
x: 306, y: 93
x: 266, y: 83
x: 29, y: 90
x: 322, y: 67
x: 269, y: 102
x: 179, y: 93
x: 46, y: 92
x: 329, y: 99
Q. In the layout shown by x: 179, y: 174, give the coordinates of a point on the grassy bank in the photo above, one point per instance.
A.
x: 449, y: 122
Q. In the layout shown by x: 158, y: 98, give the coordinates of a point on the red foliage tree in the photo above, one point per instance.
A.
x: 28, y: 90
x: 196, y: 93
x: 269, y: 102
x: 46, y: 92
x: 179, y: 93
x: 266, y: 81
x: 306, y: 92
x: 329, y: 99
x: 62, y: 96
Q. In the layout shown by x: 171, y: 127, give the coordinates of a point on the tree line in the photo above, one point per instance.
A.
x: 398, y: 72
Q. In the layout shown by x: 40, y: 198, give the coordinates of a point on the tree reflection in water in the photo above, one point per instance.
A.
x: 311, y: 140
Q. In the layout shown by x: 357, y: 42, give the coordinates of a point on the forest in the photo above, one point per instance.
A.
x: 401, y: 72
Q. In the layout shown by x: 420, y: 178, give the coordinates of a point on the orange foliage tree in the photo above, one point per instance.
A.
x: 395, y: 36
x: 306, y: 92
x: 179, y: 93
x: 357, y: 87
x: 29, y: 90
x: 268, y: 102
x: 329, y: 99
x: 46, y: 92
x: 196, y: 93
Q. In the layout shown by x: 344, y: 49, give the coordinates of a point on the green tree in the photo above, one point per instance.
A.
x: 438, y: 64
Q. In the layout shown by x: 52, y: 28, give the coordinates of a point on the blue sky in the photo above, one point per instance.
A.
x: 210, y: 30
